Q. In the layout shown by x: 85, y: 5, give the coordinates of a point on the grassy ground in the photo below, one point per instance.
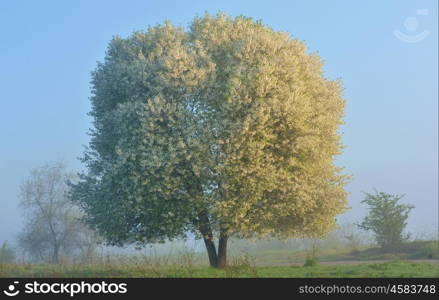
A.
x: 387, y: 269
x: 416, y: 250
x: 339, y: 262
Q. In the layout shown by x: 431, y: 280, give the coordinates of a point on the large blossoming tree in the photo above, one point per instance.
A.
x: 228, y: 128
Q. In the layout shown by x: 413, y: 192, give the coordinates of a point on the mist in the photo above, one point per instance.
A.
x: 391, y: 135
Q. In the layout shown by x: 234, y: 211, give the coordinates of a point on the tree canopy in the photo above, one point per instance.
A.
x: 227, y: 127
x: 387, y: 218
x: 53, y: 228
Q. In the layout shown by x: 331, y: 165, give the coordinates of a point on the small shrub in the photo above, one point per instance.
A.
x: 386, y: 218
x: 242, y: 265
x: 311, y: 257
x: 186, y: 265
x: 7, y: 254
x: 311, y: 262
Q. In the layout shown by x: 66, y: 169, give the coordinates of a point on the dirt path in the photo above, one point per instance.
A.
x: 355, y: 262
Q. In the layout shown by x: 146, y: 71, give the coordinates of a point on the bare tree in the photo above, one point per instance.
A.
x: 53, y: 223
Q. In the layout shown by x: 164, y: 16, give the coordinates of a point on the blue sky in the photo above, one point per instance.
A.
x: 49, y: 48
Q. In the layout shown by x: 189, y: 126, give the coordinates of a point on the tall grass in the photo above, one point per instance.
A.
x: 239, y: 267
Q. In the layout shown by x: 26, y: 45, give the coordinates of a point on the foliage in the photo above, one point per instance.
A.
x: 311, y: 261
x: 386, y: 218
x: 7, y: 253
x: 53, y: 227
x: 227, y: 129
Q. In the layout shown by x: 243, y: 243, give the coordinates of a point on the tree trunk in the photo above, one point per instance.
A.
x: 55, y: 257
x: 211, y: 252
x: 222, y: 251
x: 216, y: 260
x: 206, y: 233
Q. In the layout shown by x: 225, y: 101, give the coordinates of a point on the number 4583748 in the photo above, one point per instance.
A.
x: 413, y: 289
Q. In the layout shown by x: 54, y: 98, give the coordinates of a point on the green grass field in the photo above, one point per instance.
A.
x: 413, y: 259
x: 415, y: 250
x: 387, y: 269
